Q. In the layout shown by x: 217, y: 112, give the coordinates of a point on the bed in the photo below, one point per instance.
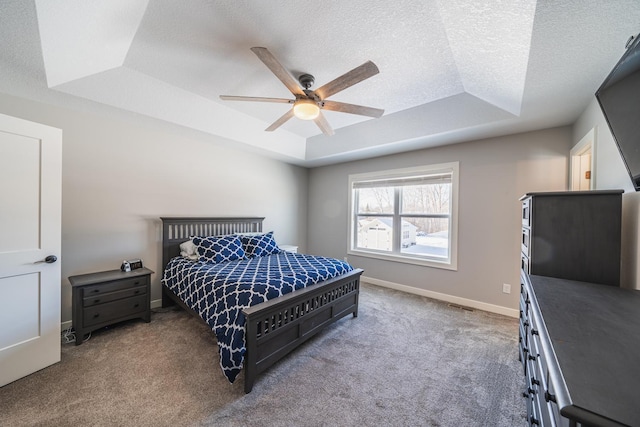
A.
x: 277, y: 326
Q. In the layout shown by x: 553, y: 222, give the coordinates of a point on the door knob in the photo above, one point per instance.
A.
x: 49, y: 260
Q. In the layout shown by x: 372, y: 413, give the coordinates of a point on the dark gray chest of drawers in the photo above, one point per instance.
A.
x: 107, y: 297
x: 579, y: 348
x: 573, y: 235
x: 579, y: 340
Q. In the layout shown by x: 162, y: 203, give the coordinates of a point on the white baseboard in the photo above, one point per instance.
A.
x: 156, y: 303
x: 444, y: 297
x: 404, y: 288
x: 66, y: 325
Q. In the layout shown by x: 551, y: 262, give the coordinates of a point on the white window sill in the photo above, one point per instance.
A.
x: 406, y: 259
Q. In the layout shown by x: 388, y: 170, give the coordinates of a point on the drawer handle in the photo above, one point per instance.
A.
x: 95, y: 301
x: 136, y: 282
x: 136, y: 306
x: 535, y: 421
x: 534, y: 332
x: 549, y: 397
x: 95, y: 316
x: 137, y: 292
x: 95, y: 291
x: 531, y: 357
x: 535, y: 381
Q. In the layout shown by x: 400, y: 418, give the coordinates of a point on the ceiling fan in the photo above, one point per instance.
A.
x: 308, y: 103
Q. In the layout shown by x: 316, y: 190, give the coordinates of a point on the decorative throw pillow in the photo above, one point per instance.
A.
x: 217, y: 249
x: 260, y: 245
x: 188, y: 250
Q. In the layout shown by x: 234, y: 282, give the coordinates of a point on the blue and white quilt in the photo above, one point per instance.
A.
x: 219, y: 292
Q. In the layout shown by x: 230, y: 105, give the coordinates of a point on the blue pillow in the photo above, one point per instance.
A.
x: 260, y: 245
x: 217, y: 249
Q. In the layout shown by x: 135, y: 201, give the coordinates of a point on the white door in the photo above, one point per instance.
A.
x: 30, y: 211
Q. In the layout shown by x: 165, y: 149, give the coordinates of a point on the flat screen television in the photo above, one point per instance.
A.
x: 619, y: 99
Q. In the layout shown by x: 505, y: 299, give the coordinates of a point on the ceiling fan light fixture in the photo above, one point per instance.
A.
x: 306, y: 109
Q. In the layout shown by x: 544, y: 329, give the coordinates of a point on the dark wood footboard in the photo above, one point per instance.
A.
x: 276, y: 327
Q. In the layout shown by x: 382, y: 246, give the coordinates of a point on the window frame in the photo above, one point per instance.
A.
x: 449, y: 263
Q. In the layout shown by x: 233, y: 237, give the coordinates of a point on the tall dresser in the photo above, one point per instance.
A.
x: 579, y: 332
x: 573, y: 235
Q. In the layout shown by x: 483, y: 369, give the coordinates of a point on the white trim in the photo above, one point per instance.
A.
x: 66, y: 325
x: 586, y: 143
x: 510, y: 312
x: 404, y: 258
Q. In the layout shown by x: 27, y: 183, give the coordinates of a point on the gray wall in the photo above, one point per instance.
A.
x: 120, y: 174
x: 610, y: 173
x: 494, y: 173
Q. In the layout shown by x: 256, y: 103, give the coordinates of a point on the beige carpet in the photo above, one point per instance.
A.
x: 404, y: 361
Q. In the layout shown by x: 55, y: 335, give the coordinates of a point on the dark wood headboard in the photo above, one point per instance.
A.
x: 176, y: 230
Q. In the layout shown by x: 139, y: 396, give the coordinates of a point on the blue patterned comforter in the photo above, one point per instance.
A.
x: 219, y: 292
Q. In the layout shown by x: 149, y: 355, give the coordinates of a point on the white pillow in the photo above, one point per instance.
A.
x: 188, y: 250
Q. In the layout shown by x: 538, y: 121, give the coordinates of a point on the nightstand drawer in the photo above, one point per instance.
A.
x: 101, y: 297
x: 113, y: 310
x: 116, y: 285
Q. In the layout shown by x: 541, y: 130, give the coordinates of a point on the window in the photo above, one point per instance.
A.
x: 407, y: 215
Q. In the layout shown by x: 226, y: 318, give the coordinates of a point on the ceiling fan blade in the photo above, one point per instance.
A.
x: 256, y: 99
x: 323, y: 124
x: 348, y: 79
x: 353, y: 109
x: 276, y: 68
x: 282, y: 120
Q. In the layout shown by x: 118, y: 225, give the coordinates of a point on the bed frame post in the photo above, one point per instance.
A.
x: 250, y: 373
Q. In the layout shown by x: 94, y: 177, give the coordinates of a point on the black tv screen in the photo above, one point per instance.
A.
x: 619, y: 99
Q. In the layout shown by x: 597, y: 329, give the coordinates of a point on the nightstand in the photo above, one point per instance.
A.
x: 101, y: 299
x: 289, y: 248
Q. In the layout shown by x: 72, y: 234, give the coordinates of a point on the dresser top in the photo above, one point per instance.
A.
x: 106, y: 276
x: 595, y: 333
x: 573, y: 193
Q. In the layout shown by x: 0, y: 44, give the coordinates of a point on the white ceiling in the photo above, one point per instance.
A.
x: 450, y: 70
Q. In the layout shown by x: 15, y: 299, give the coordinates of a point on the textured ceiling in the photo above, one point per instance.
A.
x: 450, y: 70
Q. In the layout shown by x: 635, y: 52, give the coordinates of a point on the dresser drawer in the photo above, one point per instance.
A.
x: 101, y: 298
x: 526, y: 212
x: 116, y: 285
x: 525, y: 264
x: 525, y: 242
x: 539, y: 383
x: 111, y: 311
x: 524, y: 292
x: 525, y: 311
x: 543, y: 412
